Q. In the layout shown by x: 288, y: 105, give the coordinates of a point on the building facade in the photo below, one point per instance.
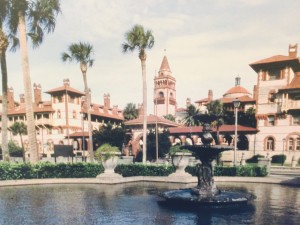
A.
x: 278, y: 104
x: 63, y: 118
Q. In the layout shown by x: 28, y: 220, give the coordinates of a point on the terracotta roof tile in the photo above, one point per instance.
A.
x: 224, y: 128
x: 276, y: 58
x: 151, y: 119
x: 236, y: 90
x: 165, y: 65
x: 64, y: 88
x: 202, y: 100
x: 244, y: 98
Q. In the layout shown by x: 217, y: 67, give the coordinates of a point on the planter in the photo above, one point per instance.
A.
x: 181, y: 160
x: 109, y: 163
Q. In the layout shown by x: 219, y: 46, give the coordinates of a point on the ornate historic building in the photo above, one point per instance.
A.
x: 63, y: 118
x: 278, y: 104
x: 164, y: 91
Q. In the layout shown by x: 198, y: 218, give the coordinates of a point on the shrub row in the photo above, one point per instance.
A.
x: 9, y: 171
x: 136, y: 169
x: 238, y: 171
x: 88, y: 170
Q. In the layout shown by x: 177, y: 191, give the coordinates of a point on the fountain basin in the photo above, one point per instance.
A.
x: 186, y: 198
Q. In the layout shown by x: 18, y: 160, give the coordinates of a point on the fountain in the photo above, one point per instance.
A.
x: 206, y: 194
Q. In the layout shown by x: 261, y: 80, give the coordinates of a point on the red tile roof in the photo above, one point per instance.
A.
x: 151, y: 119
x: 237, y: 90
x: 21, y: 109
x: 295, y: 83
x: 65, y: 88
x: 223, y: 129
x: 202, y: 100
x: 79, y: 134
x: 244, y: 98
x: 165, y: 65
x: 276, y: 58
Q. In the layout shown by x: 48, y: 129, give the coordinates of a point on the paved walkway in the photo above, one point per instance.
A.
x: 272, y: 179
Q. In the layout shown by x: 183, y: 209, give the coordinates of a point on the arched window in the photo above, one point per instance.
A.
x: 243, y: 143
x: 270, y: 144
x: 161, y: 94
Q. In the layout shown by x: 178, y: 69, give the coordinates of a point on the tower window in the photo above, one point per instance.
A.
x: 161, y: 94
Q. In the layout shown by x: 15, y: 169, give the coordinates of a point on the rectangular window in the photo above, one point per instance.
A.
x: 290, y: 144
x: 296, y: 120
x: 72, y: 99
x: 60, y: 99
x: 298, y: 144
x: 271, y: 120
x: 274, y: 74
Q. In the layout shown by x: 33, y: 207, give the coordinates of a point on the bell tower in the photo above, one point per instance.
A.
x: 164, y: 90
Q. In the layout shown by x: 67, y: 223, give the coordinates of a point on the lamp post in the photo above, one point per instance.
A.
x: 283, y: 141
x: 236, y: 103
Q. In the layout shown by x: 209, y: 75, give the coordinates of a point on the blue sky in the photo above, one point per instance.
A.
x: 208, y: 43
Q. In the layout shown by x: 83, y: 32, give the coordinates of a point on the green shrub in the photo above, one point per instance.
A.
x: 254, y: 159
x: 10, y: 171
x: 241, y: 171
x: 14, y: 149
x: 130, y: 170
x: 278, y: 158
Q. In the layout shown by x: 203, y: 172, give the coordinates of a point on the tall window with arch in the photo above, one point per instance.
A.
x: 270, y: 144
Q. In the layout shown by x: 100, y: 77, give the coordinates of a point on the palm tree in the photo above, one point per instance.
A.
x: 170, y: 117
x: 191, y: 118
x: 82, y: 54
x: 139, y: 39
x: 19, y: 128
x: 4, y: 118
x: 38, y: 16
x: 130, y: 112
x: 216, y: 112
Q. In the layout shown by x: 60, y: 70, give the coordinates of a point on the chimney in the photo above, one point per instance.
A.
x: 141, y: 110
x: 66, y: 82
x: 22, y: 98
x: 237, y: 81
x: 293, y: 50
x: 107, y: 101
x: 210, y: 95
x: 115, y: 110
x: 10, y: 98
x: 37, y: 93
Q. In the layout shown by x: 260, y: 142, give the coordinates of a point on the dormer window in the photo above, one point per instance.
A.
x: 274, y: 74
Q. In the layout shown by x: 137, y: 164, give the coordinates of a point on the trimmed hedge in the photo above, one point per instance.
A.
x: 238, y: 171
x: 254, y: 159
x: 10, y: 171
x: 278, y: 158
x: 136, y: 169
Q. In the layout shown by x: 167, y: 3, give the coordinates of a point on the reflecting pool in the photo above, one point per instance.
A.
x: 137, y: 203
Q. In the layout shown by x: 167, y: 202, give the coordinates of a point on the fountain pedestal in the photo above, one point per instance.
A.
x: 206, y: 194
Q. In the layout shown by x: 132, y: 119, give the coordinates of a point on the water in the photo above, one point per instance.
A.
x: 137, y: 203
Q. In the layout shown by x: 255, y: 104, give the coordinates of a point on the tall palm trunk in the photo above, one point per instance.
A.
x: 28, y: 93
x: 88, y: 105
x: 23, y: 149
x: 143, y: 63
x: 3, y: 47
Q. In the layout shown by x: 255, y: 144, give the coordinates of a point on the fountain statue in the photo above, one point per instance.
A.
x: 206, y: 194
